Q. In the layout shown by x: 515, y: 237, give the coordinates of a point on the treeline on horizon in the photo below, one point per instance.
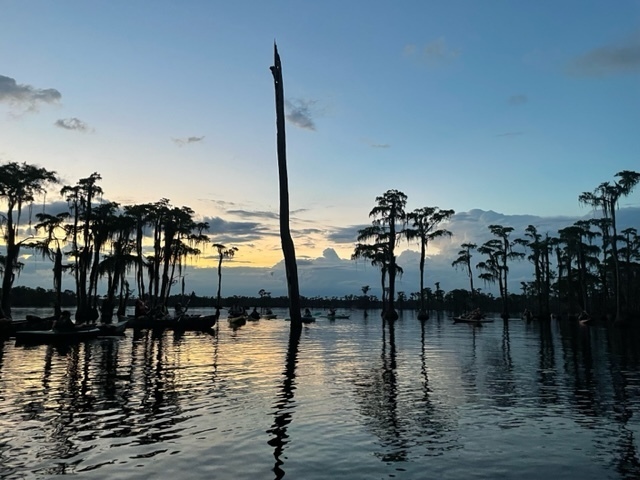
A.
x: 455, y: 301
x: 588, y: 266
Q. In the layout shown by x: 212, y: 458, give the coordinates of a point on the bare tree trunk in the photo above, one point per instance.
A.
x: 218, y: 305
x: 422, y: 314
x: 616, y: 264
x: 10, y: 260
x: 288, y: 248
x: 57, y: 283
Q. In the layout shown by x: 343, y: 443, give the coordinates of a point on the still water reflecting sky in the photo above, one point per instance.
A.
x: 350, y: 400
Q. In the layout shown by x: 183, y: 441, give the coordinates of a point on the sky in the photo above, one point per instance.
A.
x: 500, y: 109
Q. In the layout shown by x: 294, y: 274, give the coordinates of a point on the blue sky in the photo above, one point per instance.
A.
x: 513, y: 107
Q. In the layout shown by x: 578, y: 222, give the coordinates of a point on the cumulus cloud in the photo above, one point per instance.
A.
x: 608, y: 60
x: 433, y: 54
x: 72, y: 124
x: 300, y: 113
x: 181, y: 142
x: 25, y: 96
x: 519, y: 99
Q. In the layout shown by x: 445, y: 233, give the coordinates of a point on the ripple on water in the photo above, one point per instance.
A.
x: 421, y: 400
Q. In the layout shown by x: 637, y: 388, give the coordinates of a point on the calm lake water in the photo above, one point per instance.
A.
x: 423, y: 400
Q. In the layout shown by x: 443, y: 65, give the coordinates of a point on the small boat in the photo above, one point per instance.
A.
x: 236, y: 320
x: 269, y: 316
x: 9, y: 327
x: 72, y: 335
x: 181, y: 322
x: 147, y: 321
x: 304, y: 318
x: 113, y: 329
x: 194, y: 322
x: 585, y: 319
x: 337, y: 316
x: 472, y: 320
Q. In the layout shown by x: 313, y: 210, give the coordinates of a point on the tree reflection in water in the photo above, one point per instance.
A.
x: 432, y: 417
x: 501, y: 379
x: 628, y: 464
x: 283, y: 409
x: 547, y: 373
x: 377, y: 392
x: 72, y: 399
x: 390, y: 423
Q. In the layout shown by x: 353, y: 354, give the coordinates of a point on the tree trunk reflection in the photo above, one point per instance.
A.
x: 283, y: 409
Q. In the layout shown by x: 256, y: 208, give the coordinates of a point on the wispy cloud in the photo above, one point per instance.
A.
x: 519, y: 99
x: 620, y: 58
x: 433, y: 54
x: 222, y: 203
x: 253, y: 214
x: 236, y: 233
x: 510, y: 134
x: 374, y: 144
x: 181, y: 142
x: 345, y: 234
x: 300, y: 112
x: 73, y: 124
x: 26, y: 96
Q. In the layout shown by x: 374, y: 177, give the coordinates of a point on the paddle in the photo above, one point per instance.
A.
x: 186, y: 307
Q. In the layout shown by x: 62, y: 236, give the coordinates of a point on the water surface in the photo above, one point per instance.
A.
x: 350, y: 400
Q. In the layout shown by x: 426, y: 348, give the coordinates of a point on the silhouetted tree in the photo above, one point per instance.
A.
x: 20, y: 183
x: 464, y: 260
x: 389, y: 214
x: 53, y: 225
x: 606, y: 196
x: 223, y: 252
x: 499, y: 252
x: 424, y: 224
x: 288, y: 248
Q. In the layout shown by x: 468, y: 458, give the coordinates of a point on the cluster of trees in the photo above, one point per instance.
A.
x: 98, y: 240
x: 589, y: 265
x: 391, y: 222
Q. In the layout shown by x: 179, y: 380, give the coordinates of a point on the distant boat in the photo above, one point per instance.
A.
x: 180, y: 322
x: 337, y: 316
x: 113, y: 329
x: 9, y: 327
x: 305, y: 319
x: 54, y: 336
x: 194, y: 322
x: 147, y: 321
x: 472, y: 320
x: 237, y: 319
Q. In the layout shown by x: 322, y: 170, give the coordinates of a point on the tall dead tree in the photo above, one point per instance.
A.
x: 288, y: 248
